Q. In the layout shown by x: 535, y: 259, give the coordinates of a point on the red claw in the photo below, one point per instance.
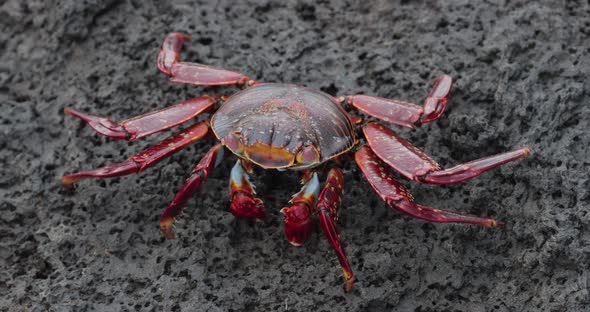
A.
x: 245, y: 206
x: 298, y: 223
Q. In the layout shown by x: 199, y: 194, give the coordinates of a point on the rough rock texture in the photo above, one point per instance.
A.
x: 521, y: 70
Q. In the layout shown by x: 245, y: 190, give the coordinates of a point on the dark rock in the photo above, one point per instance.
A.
x: 521, y: 71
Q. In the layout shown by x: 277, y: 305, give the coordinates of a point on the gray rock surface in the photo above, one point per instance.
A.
x: 521, y: 70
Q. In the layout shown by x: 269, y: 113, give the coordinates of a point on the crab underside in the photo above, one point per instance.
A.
x: 278, y: 126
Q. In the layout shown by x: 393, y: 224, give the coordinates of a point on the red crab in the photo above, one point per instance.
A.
x: 283, y: 126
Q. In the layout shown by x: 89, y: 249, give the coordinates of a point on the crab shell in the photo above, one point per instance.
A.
x: 284, y: 126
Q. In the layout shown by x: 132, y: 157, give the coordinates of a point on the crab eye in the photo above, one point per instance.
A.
x: 308, y: 155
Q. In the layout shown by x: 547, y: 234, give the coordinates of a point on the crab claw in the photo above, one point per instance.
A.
x: 245, y: 206
x: 298, y: 223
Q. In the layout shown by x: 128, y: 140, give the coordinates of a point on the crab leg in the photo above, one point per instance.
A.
x: 244, y: 204
x: 192, y: 183
x: 398, y: 197
x: 404, y: 113
x: 144, y: 125
x: 298, y: 223
x: 144, y: 159
x: 193, y: 73
x: 416, y: 165
x: 328, y: 205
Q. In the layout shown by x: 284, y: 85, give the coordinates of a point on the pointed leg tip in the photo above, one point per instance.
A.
x: 166, y: 228
x: 445, y: 77
x: 526, y: 151
x: 349, y: 281
x: 68, y: 181
x: 181, y: 35
x: 348, y: 286
x: 69, y: 110
x: 491, y: 223
x: 497, y: 223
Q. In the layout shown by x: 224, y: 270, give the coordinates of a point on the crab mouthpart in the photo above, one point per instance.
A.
x: 269, y: 156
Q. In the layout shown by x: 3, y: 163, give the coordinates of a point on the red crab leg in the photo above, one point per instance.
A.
x: 193, y: 73
x: 398, y: 197
x: 298, y: 224
x: 244, y: 204
x: 192, y: 183
x: 144, y: 159
x: 404, y: 113
x: 416, y: 165
x: 144, y: 125
x: 328, y: 206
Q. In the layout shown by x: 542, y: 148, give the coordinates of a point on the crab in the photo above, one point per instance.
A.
x: 290, y: 127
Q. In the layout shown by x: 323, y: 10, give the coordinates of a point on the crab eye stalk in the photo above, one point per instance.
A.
x: 308, y: 155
